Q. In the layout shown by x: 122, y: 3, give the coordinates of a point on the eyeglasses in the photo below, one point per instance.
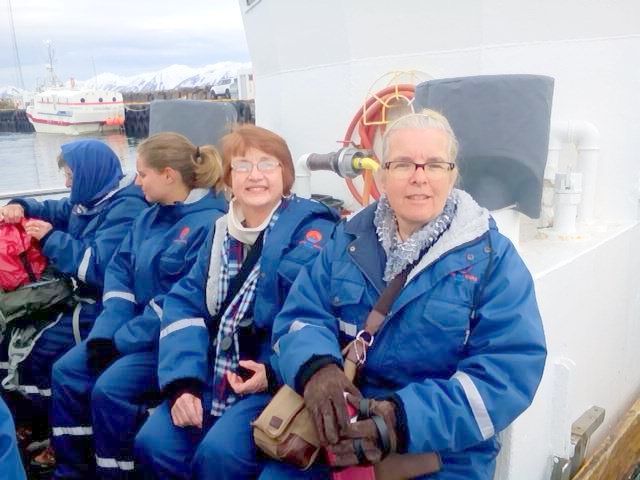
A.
x: 403, y: 169
x: 245, y: 166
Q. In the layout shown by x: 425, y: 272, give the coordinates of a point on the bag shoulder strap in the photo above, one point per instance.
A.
x: 235, y: 284
x: 389, y: 294
x: 355, y: 353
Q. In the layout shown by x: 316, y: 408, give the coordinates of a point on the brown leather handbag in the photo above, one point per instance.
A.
x: 285, y: 429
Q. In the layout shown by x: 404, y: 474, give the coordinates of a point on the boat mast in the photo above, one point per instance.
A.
x: 14, y: 44
x: 52, y: 74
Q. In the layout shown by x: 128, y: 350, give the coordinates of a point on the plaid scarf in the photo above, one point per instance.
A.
x: 227, y: 346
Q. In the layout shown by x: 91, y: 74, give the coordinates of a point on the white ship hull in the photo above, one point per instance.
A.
x: 76, y: 112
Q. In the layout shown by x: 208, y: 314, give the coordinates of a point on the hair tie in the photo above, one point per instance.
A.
x: 198, y: 152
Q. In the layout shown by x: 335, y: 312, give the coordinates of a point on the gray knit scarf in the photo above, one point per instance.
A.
x: 399, y: 253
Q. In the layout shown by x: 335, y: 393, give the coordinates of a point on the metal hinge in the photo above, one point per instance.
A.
x: 581, y: 431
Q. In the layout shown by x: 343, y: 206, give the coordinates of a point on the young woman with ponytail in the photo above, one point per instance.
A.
x: 103, y: 387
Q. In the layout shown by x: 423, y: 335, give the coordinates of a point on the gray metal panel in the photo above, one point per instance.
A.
x: 502, y: 123
x: 204, y: 123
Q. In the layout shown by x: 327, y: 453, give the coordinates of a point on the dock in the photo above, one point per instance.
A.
x: 136, y: 123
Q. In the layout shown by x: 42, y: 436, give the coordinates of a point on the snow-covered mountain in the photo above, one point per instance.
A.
x: 10, y: 92
x: 175, y: 76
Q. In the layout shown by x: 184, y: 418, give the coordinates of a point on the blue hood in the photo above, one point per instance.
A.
x: 96, y: 170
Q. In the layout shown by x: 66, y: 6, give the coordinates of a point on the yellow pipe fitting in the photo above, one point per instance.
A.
x: 365, y: 163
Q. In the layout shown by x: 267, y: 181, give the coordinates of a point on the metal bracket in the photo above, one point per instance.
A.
x: 561, y: 469
x: 581, y: 431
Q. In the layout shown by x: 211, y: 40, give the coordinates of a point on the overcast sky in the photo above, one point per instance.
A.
x: 124, y: 37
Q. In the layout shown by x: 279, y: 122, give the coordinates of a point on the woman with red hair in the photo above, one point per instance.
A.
x: 215, y: 342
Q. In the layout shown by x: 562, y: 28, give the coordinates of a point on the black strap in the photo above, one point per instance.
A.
x: 364, y: 411
x: 383, y: 434
x: 355, y: 352
x: 358, y: 449
x: 236, y: 282
x: 388, y: 296
x: 27, y: 267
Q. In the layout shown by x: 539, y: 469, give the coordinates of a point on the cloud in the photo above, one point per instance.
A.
x: 122, y: 36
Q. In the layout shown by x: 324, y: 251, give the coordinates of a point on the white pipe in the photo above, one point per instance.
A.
x: 588, y: 166
x: 568, y: 193
x: 302, y: 185
x: 586, y: 139
x: 553, y: 159
x: 508, y: 222
x: 550, y: 172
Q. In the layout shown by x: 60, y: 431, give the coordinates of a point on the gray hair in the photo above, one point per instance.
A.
x: 422, y: 120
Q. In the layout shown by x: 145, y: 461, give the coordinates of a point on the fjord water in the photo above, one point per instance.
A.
x: 28, y: 160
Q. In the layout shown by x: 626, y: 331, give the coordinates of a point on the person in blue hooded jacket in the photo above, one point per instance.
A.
x: 461, y: 351
x: 102, y: 387
x: 10, y: 463
x: 79, y: 235
x: 214, y: 357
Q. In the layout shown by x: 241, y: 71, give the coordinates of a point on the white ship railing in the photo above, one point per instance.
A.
x: 43, y: 192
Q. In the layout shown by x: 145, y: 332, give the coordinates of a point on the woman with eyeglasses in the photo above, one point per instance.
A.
x: 102, y: 387
x: 215, y: 342
x: 460, y: 350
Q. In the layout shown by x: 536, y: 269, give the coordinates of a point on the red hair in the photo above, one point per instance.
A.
x: 247, y: 136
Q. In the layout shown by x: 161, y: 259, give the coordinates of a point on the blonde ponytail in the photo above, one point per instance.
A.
x: 207, y: 167
x: 200, y: 167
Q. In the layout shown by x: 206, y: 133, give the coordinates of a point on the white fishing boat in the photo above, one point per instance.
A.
x: 73, y: 111
x: 319, y: 70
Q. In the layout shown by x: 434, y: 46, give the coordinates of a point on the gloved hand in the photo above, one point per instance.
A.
x: 369, y: 439
x: 101, y: 352
x: 324, y: 397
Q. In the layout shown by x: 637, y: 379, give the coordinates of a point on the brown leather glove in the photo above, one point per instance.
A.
x: 324, y: 397
x: 369, y: 439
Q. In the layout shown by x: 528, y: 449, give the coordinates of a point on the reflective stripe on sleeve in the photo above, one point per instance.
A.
x: 295, y: 326
x: 181, y: 324
x: 128, y: 296
x: 156, y: 308
x: 479, y: 409
x: 84, y: 265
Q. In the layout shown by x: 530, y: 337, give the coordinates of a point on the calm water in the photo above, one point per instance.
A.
x: 28, y: 160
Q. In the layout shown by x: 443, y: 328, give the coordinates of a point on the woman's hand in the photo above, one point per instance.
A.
x: 370, y: 439
x: 13, y: 213
x: 187, y: 411
x: 37, y: 228
x: 256, y: 383
x: 324, y: 397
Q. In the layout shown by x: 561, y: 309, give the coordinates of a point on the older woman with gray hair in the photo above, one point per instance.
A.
x: 459, y: 350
